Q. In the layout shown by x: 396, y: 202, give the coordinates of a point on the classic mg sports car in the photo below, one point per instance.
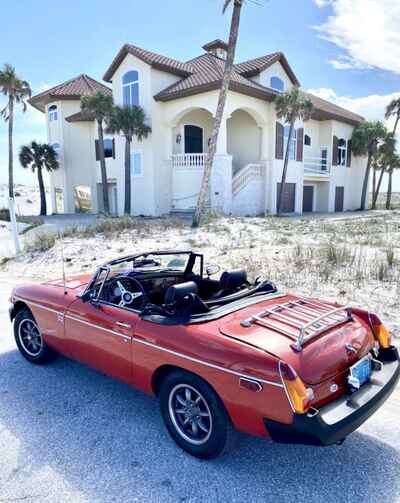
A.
x: 217, y: 352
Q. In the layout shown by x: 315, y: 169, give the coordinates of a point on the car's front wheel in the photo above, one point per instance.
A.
x: 29, y: 339
x: 193, y: 414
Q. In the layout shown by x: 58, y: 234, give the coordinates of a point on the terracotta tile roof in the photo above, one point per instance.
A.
x: 215, y: 44
x: 253, y: 67
x: 207, y: 73
x: 325, y: 110
x: 156, y: 60
x: 72, y: 89
x: 82, y: 116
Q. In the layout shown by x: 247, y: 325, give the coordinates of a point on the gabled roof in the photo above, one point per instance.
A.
x: 72, y: 89
x: 255, y: 66
x: 207, y: 74
x: 155, y: 60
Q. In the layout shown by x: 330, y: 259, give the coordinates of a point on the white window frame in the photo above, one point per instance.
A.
x: 342, y: 158
x: 294, y: 142
x: 274, y: 88
x: 52, y: 113
x: 133, y: 152
x: 130, y: 84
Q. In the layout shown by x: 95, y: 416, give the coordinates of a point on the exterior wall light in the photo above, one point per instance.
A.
x: 178, y: 138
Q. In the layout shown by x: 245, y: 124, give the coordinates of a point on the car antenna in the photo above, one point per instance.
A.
x: 63, y: 264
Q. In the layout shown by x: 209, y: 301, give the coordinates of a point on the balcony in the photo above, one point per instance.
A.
x: 317, y: 166
x: 189, y: 161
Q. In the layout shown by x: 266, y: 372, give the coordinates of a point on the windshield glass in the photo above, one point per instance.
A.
x: 172, y: 261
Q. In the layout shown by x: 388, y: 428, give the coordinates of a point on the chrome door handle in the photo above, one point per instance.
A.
x: 123, y: 325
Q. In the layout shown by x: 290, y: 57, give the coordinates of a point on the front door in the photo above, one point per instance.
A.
x: 308, y: 198
x: 193, y: 140
x: 339, y: 199
x: 101, y: 337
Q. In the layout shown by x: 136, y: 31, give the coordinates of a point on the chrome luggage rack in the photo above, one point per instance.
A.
x: 306, y: 318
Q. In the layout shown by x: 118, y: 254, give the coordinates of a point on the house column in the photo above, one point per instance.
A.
x: 221, y: 175
x: 222, y: 142
x: 265, y: 158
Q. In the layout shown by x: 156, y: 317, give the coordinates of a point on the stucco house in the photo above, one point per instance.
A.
x: 180, y: 101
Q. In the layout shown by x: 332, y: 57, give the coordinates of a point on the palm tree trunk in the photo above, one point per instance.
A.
x: 378, y: 188
x: 373, y: 182
x: 43, y: 206
x: 365, y: 183
x: 127, y: 209
x: 389, y: 190
x: 106, y: 204
x: 10, y: 148
x: 285, y: 166
x: 205, y: 183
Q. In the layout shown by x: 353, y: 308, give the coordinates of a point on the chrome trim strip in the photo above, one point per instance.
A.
x: 160, y: 348
x: 38, y: 305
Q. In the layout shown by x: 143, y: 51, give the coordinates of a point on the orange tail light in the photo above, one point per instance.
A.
x: 381, y: 333
x: 299, y: 396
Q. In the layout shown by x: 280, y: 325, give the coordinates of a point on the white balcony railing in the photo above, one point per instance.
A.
x: 189, y: 160
x: 317, y: 165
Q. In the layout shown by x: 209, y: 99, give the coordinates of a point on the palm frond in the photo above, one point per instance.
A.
x: 226, y: 5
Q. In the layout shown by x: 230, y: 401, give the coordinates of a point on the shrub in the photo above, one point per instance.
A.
x: 41, y: 243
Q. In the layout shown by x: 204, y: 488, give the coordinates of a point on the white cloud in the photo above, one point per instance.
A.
x: 366, y: 30
x: 322, y: 3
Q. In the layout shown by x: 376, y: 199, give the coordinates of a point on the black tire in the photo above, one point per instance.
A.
x: 208, y: 413
x: 35, y: 350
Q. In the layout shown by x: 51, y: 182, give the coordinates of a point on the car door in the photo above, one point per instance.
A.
x: 100, y: 336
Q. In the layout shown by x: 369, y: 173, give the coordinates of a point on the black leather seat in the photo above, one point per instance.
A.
x: 230, y: 282
x: 177, y: 293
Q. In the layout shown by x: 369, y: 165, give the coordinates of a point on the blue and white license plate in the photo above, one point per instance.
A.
x: 360, y: 373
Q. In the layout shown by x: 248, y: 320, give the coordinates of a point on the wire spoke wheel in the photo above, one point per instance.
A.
x: 30, y: 338
x: 190, y: 414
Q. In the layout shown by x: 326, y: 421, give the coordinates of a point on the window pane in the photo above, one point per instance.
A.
x: 277, y: 84
x: 137, y: 164
x: 108, y: 148
x: 126, y: 97
x: 135, y: 94
x: 129, y: 77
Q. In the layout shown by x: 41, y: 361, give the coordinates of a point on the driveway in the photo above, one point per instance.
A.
x: 69, y: 434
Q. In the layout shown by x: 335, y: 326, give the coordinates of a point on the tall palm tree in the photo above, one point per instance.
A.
x: 17, y: 91
x: 100, y: 106
x: 230, y: 57
x: 290, y: 106
x: 39, y: 156
x: 392, y: 110
x: 365, y: 141
x: 394, y: 165
x: 131, y: 122
x: 381, y: 161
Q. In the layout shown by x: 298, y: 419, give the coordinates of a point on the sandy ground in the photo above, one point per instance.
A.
x: 352, y: 259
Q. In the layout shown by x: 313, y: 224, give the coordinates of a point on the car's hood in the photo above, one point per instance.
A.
x: 71, y: 282
x: 319, y: 359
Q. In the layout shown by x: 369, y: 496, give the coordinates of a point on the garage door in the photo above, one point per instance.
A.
x: 339, y: 199
x: 288, y: 198
x: 308, y: 198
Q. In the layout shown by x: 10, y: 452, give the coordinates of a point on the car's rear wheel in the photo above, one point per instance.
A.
x: 29, y: 339
x: 193, y: 414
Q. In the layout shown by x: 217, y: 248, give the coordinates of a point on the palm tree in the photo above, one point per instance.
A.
x: 39, y: 156
x: 100, y: 106
x: 364, y: 142
x: 392, y: 110
x: 290, y: 106
x: 381, y: 161
x: 230, y: 57
x: 17, y: 91
x: 130, y: 121
x: 394, y: 164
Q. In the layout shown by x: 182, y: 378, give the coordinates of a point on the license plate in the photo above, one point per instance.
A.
x: 360, y: 372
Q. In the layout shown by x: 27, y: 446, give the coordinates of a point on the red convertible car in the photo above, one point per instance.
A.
x: 215, y: 352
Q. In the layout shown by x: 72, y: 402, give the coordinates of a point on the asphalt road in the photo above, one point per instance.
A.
x: 69, y: 434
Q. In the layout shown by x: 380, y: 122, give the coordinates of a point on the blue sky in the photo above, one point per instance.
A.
x: 345, y: 50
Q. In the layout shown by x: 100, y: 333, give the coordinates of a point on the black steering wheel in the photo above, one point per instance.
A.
x: 127, y: 292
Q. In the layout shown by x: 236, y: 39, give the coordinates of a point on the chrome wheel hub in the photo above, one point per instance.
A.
x: 30, y: 338
x: 190, y: 414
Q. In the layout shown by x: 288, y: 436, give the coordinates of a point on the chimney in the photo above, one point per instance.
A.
x: 217, y: 48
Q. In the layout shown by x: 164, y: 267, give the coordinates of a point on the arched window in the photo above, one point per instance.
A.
x: 53, y: 113
x: 130, y: 88
x: 277, y: 84
x: 342, y: 152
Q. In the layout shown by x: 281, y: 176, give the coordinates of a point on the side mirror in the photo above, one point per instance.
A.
x: 86, y: 296
x: 212, y: 269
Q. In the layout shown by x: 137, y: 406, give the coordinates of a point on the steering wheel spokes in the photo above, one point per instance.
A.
x: 131, y: 294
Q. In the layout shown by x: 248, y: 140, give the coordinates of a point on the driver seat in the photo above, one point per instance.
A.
x: 230, y: 282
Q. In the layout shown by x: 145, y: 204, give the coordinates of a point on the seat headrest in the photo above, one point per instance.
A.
x: 176, y: 293
x: 230, y: 280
